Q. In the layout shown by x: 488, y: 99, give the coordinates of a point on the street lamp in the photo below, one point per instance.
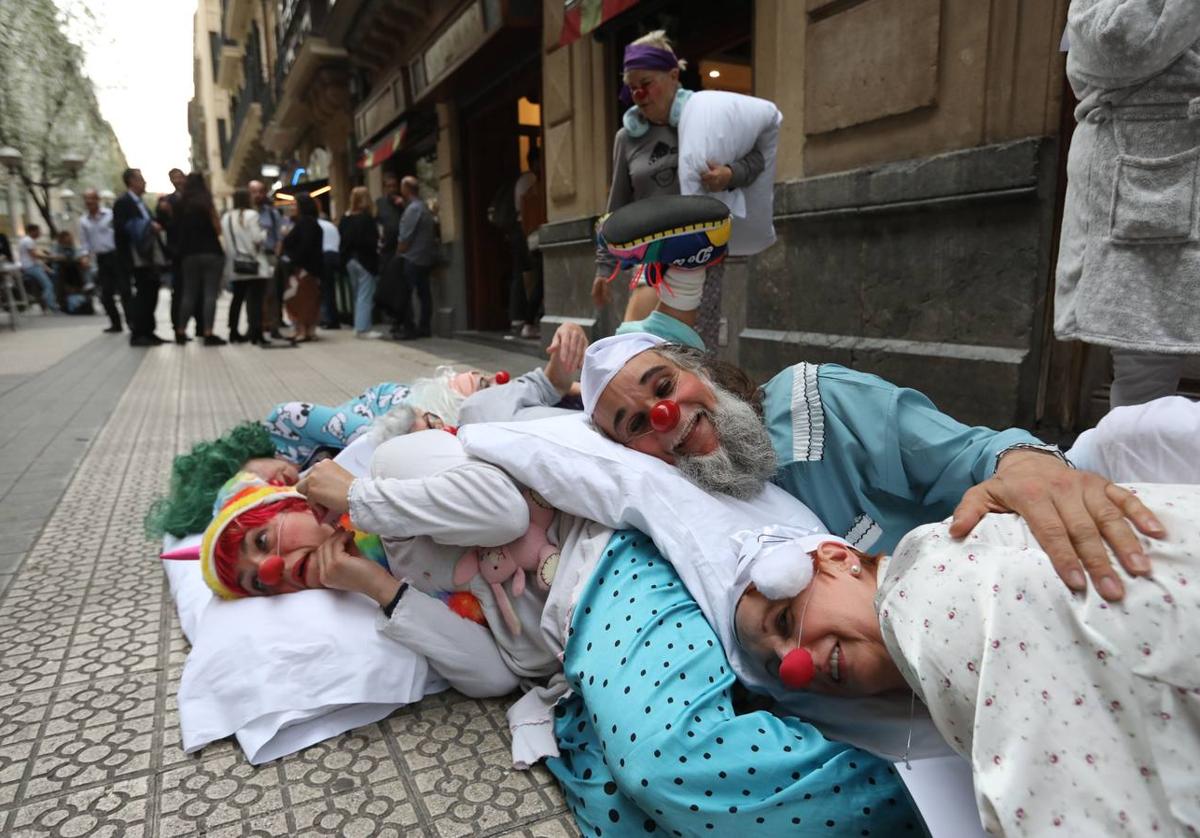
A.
x: 10, y: 158
x: 69, y: 165
x: 65, y: 195
x: 72, y: 162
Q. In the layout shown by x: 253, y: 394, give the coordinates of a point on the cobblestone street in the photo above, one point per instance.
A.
x: 90, y: 648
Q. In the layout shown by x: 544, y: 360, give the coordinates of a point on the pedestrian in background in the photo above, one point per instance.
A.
x: 33, y: 261
x: 141, y: 256
x: 303, y: 247
x: 201, y: 257
x: 416, y: 243
x: 390, y: 278
x: 98, y: 243
x: 246, y: 267
x: 1130, y: 252
x: 360, y: 254
x: 272, y: 223
x: 331, y: 269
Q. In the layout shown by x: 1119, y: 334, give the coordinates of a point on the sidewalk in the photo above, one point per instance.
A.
x: 90, y: 649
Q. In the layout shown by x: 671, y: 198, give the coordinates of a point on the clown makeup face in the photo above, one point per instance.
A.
x: 467, y: 383
x: 273, y: 470
x: 293, y: 536
x: 833, y: 618
x: 719, y: 442
x: 653, y: 92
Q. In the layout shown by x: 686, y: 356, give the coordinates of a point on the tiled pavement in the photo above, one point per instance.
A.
x: 90, y: 648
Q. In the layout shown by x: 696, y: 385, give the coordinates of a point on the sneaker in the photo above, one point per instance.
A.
x: 530, y: 331
x: 213, y: 340
x: 369, y: 335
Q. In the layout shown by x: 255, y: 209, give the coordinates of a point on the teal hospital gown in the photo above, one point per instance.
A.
x: 871, y: 459
x: 299, y: 428
x: 649, y: 742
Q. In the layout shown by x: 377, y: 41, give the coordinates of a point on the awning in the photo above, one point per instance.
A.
x: 582, y: 16
x: 383, y: 149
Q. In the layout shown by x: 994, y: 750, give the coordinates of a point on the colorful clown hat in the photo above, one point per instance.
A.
x: 250, y: 497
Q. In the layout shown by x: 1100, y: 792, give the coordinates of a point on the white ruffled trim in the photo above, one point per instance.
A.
x: 863, y: 533
x: 808, y: 416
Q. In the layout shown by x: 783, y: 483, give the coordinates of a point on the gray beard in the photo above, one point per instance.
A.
x: 745, y: 459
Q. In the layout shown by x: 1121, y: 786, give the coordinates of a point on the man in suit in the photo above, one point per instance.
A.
x: 141, y: 255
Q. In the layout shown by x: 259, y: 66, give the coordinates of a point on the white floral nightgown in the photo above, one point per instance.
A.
x: 1078, y: 717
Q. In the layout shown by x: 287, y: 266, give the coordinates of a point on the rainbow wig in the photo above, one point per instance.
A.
x: 197, y: 477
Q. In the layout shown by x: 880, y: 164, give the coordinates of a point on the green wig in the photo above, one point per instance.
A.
x: 198, y: 475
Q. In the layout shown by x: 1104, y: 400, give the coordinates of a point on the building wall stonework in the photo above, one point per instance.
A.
x: 916, y: 185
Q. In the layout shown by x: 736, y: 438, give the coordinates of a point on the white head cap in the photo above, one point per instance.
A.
x: 605, y: 358
x: 777, y: 561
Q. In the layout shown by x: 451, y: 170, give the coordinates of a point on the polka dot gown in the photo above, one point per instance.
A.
x: 1078, y: 717
x: 650, y: 743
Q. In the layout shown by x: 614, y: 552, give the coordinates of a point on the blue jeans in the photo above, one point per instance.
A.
x: 364, y: 294
x: 38, y: 274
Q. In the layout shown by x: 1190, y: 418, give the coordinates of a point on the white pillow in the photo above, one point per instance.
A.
x: 283, y: 673
x: 724, y: 127
x: 582, y: 472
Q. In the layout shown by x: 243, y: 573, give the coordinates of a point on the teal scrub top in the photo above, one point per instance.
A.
x: 871, y: 459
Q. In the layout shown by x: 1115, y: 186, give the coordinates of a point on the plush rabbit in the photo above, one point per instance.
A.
x: 531, y: 552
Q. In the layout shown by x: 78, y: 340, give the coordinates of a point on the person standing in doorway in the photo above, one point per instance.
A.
x: 141, y: 256
x: 98, y: 244
x: 1130, y: 251
x: 303, y: 248
x: 390, y: 284
x: 417, y: 247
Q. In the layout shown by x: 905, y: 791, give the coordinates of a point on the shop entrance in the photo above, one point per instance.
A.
x: 498, y: 129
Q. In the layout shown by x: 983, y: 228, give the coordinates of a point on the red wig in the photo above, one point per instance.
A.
x: 229, y: 544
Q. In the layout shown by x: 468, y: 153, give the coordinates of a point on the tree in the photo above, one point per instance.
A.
x: 48, y: 106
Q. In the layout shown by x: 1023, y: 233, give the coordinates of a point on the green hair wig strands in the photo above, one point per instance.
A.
x: 198, y: 475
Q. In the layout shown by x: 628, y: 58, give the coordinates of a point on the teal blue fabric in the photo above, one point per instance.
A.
x: 664, y: 326
x: 650, y: 743
x: 870, y: 448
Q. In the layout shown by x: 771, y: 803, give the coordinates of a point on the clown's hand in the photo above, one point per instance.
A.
x: 343, y: 570
x: 1072, y: 514
x: 327, y: 485
x: 566, y: 355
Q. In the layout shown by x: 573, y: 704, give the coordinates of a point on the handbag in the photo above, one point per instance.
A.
x: 243, y: 265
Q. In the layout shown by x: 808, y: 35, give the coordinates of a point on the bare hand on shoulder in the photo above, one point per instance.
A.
x: 1073, y: 515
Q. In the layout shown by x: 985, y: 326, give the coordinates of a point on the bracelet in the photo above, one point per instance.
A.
x: 1039, y: 447
x: 391, y: 606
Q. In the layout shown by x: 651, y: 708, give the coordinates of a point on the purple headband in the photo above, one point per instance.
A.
x: 647, y: 57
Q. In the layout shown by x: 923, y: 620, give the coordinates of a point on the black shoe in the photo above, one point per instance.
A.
x: 182, y: 339
x: 112, y: 330
x: 213, y: 340
x: 330, y: 326
x: 405, y: 334
x: 275, y: 333
x: 155, y: 339
x: 143, y: 340
x: 237, y: 337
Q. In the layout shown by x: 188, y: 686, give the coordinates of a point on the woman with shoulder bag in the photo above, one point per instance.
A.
x: 246, y: 267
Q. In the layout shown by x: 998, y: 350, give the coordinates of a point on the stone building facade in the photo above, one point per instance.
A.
x: 917, y: 183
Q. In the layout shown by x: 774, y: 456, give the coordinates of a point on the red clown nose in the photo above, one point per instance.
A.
x: 664, y: 416
x: 501, y: 377
x: 450, y: 429
x: 797, y: 669
x: 270, y: 572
